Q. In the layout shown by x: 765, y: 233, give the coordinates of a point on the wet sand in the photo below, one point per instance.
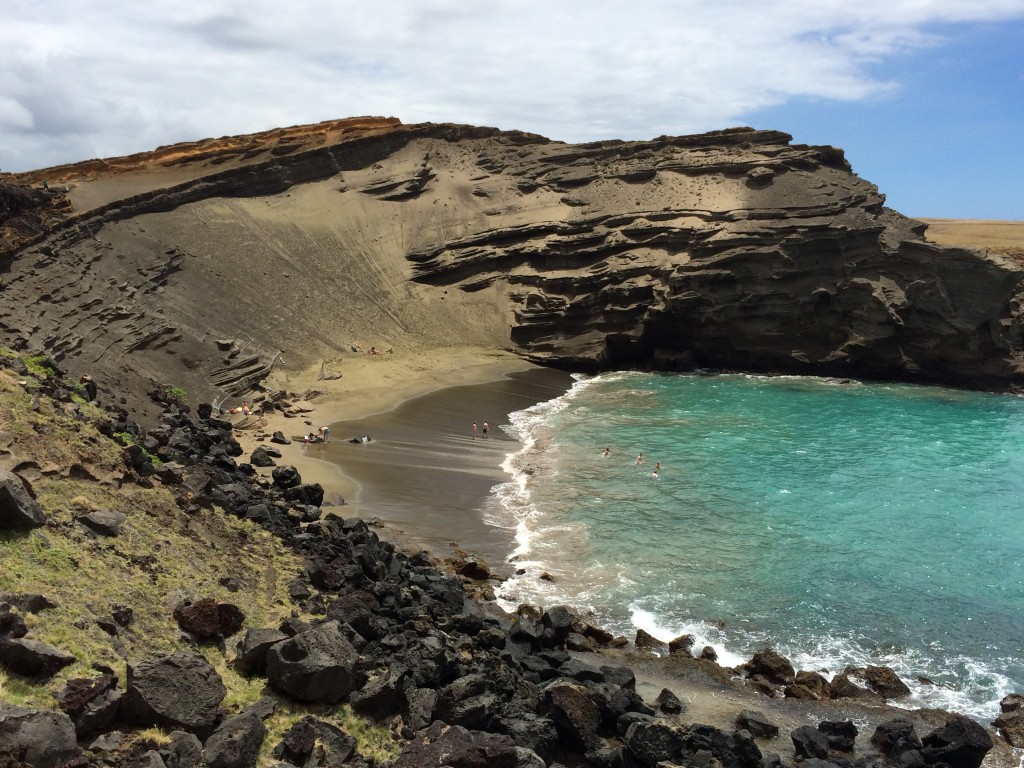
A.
x: 425, y: 475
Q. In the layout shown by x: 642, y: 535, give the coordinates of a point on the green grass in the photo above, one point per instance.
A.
x: 36, y: 367
x: 372, y: 741
x: 17, y: 690
x: 161, y: 557
x: 175, y: 394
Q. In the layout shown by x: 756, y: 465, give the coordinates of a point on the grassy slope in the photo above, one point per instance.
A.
x: 161, y: 557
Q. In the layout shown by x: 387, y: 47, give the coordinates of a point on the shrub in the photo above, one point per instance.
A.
x: 174, y: 394
x: 37, y: 367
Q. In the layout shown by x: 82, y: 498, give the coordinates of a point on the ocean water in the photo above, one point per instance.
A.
x: 840, y: 523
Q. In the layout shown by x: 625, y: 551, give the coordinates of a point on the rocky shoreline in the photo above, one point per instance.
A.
x: 413, y: 644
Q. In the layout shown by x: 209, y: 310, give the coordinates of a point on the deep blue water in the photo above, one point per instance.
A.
x: 839, y: 523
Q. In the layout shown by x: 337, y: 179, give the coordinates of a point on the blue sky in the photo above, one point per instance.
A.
x: 925, y: 96
x: 949, y: 142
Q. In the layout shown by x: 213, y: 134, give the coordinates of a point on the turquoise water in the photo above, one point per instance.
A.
x: 841, y: 523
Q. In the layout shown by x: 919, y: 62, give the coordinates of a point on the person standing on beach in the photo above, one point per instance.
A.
x: 485, y: 430
x: 474, y: 430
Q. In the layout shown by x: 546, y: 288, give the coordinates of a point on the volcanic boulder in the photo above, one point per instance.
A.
x: 18, y: 507
x: 178, y: 691
x: 315, y: 666
x: 44, y: 739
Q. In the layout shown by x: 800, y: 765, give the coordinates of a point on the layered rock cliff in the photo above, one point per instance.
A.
x: 206, y: 264
x: 734, y: 250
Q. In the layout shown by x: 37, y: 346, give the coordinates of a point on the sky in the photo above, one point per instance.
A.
x: 925, y: 96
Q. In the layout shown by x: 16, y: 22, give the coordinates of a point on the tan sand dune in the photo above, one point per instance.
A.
x: 1000, y: 236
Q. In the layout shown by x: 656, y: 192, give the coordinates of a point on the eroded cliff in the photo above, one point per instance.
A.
x: 206, y: 264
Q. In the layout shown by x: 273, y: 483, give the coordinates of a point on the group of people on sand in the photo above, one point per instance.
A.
x: 357, y: 346
x: 639, y: 460
x: 486, y: 429
x: 322, y: 436
x: 243, y: 409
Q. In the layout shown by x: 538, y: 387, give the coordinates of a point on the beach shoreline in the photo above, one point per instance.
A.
x: 373, y: 393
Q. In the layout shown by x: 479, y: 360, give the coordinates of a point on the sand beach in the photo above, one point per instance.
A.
x: 423, y: 475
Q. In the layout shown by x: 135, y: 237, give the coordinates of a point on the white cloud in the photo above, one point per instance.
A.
x: 14, y: 115
x: 85, y: 78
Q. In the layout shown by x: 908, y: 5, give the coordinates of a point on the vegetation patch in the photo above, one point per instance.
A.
x: 372, y: 741
x: 161, y: 557
x: 174, y: 394
x: 36, y: 365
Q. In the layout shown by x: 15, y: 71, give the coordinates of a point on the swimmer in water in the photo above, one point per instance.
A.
x: 606, y: 451
x: 640, y: 458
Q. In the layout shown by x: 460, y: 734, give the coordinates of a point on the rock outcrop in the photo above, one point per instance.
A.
x: 733, y: 249
x: 40, y: 738
x: 18, y: 507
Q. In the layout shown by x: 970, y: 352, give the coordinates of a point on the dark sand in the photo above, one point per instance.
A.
x: 423, y: 473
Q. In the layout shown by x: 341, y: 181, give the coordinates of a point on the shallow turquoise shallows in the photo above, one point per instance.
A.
x: 841, y: 523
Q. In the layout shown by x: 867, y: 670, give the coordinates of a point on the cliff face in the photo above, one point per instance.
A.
x: 734, y: 250
x: 203, y: 264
